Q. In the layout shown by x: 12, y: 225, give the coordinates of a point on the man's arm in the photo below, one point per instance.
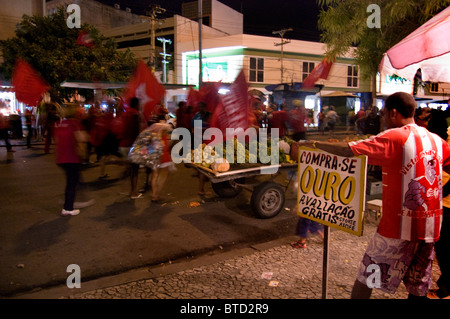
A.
x: 336, y: 148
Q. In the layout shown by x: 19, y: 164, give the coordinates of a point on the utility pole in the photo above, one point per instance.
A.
x: 200, y: 22
x: 282, y: 43
x: 152, y: 13
x: 165, y: 55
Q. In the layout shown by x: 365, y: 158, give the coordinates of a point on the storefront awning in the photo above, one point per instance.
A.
x: 339, y: 94
x: 6, y: 89
x: 113, y: 85
x: 93, y: 85
x: 295, y: 86
x: 5, y: 86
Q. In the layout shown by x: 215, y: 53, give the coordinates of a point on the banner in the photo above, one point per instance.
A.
x: 193, y: 99
x: 85, y: 39
x: 233, y: 111
x: 146, y: 88
x: 321, y: 71
x: 209, y: 94
x: 28, y: 84
x: 331, y: 189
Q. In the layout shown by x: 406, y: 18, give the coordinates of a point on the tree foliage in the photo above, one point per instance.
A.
x: 51, y: 47
x: 344, y: 25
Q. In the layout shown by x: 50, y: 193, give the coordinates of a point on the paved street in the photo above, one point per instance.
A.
x: 115, y: 234
x: 272, y: 270
x: 136, y: 249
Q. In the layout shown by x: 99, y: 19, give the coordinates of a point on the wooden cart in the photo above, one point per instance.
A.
x: 267, y: 198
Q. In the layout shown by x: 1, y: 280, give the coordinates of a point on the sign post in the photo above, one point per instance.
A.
x: 331, y: 191
x: 326, y: 242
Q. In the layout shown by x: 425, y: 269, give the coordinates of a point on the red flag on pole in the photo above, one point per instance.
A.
x: 233, y: 110
x: 146, y: 88
x: 321, y: 71
x: 193, y: 99
x: 209, y: 94
x: 28, y: 84
x: 85, y: 39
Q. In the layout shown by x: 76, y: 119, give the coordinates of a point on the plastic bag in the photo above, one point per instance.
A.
x: 147, y: 150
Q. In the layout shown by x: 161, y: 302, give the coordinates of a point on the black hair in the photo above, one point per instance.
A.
x: 404, y: 103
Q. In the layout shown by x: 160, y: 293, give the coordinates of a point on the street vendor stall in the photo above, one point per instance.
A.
x: 228, y: 180
x: 427, y: 49
x: 268, y: 196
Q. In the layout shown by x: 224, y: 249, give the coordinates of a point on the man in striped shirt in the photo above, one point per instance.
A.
x: 412, y: 161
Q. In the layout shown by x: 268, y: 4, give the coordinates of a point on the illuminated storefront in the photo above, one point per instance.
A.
x: 218, y: 65
x: 387, y: 84
x: 8, y: 103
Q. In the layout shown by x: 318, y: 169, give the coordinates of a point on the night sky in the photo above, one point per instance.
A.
x: 261, y: 17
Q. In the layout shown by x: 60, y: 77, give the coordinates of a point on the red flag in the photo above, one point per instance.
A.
x: 209, y: 94
x: 233, y: 111
x: 28, y: 84
x: 146, y: 88
x: 193, y: 98
x: 321, y: 71
x: 85, y: 39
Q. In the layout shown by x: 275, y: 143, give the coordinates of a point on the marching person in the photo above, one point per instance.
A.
x: 412, y: 160
x: 297, y: 119
x: 161, y: 171
x: 68, y: 156
x: 131, y: 127
x: 4, y: 132
x: 331, y: 119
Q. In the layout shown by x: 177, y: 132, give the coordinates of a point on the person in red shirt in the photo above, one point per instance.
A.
x: 278, y: 120
x: 68, y: 157
x: 297, y: 118
x: 359, y: 123
x: 412, y: 160
x: 131, y: 127
x: 183, y: 115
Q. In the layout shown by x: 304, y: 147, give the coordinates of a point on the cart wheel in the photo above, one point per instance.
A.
x: 227, y: 188
x: 267, y: 199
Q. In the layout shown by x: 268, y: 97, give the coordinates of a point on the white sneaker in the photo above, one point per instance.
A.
x: 70, y: 212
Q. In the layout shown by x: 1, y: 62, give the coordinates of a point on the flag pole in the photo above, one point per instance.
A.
x: 326, y: 242
x: 200, y: 22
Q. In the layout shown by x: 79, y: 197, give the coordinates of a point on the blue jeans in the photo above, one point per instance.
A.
x: 72, y: 172
x: 305, y: 224
x: 4, y: 135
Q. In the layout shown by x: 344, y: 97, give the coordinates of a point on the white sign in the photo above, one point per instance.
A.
x: 331, y: 189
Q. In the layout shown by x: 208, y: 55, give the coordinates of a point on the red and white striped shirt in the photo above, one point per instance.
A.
x: 412, y: 159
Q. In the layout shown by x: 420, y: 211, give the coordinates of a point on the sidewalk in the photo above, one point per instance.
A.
x: 272, y: 270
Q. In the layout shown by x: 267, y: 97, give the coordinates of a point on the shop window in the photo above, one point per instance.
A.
x: 307, y: 69
x: 434, y: 87
x: 256, y: 70
x: 352, y: 76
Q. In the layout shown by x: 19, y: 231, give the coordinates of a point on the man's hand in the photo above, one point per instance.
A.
x: 337, y: 148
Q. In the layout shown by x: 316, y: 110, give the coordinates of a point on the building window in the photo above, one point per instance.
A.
x: 307, y: 69
x: 352, y: 76
x: 256, y: 70
x: 434, y: 87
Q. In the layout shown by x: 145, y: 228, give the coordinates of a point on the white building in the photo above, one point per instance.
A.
x: 225, y: 51
x: 101, y: 16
